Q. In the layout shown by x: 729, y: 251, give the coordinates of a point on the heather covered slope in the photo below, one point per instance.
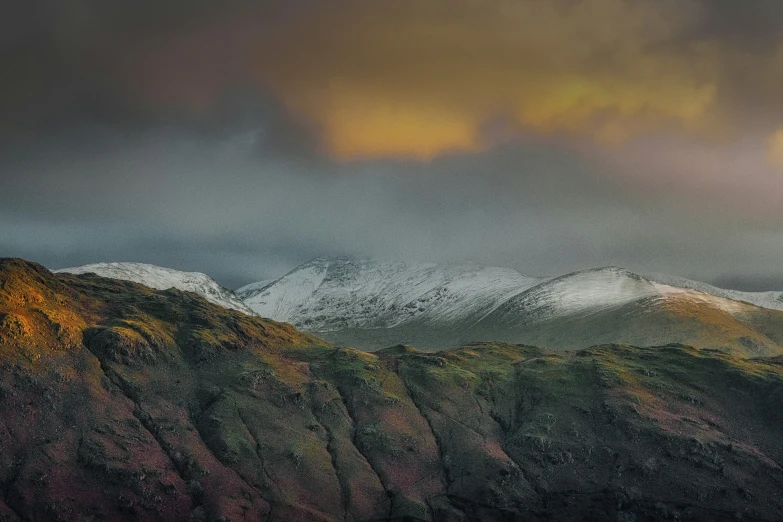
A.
x: 119, y: 402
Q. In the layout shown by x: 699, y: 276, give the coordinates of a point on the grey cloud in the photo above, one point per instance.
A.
x: 245, y: 194
x: 235, y: 208
x: 747, y: 24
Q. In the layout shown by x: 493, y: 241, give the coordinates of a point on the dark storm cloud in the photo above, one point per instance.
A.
x: 63, y: 61
x: 745, y: 24
x: 240, y: 138
x: 125, y: 61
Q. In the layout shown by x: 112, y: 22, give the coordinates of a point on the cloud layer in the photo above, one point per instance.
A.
x: 411, y: 78
x: 241, y: 138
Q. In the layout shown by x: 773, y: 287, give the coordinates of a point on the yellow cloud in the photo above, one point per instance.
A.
x: 775, y: 149
x: 419, y: 77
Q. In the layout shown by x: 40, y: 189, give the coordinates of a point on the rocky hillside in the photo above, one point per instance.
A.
x: 119, y: 402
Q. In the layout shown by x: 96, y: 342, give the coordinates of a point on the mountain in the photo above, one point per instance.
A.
x: 163, y: 278
x: 335, y: 294
x: 771, y: 299
x: 611, y: 305
x: 121, y: 402
x: 253, y: 289
x: 369, y: 304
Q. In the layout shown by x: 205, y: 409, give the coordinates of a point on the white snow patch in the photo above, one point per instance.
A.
x: 333, y: 294
x: 161, y: 278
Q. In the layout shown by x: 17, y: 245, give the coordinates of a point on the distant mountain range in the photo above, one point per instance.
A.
x: 161, y: 278
x: 372, y: 304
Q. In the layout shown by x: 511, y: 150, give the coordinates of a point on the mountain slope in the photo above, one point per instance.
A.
x: 371, y: 305
x: 164, y: 278
x: 772, y: 300
x: 334, y: 294
x: 612, y: 305
x: 119, y: 402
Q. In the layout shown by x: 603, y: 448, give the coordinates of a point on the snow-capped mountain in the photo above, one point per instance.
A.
x: 164, y: 278
x: 252, y: 289
x: 373, y: 304
x: 613, y: 305
x: 370, y: 304
x: 334, y: 294
x: 772, y: 300
x: 599, y: 290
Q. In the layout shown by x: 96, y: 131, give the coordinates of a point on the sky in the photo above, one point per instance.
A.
x: 241, y: 138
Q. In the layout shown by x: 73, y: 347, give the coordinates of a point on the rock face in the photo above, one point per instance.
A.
x: 371, y: 305
x: 119, y: 402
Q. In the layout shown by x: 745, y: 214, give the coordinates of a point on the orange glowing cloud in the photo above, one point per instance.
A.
x: 775, y: 149
x: 417, y: 79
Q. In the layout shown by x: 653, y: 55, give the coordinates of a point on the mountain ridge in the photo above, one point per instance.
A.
x: 372, y: 304
x: 122, y: 402
x: 161, y: 278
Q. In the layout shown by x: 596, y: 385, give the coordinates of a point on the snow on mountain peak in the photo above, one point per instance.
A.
x: 590, y: 289
x: 770, y: 299
x: 329, y: 294
x: 161, y: 278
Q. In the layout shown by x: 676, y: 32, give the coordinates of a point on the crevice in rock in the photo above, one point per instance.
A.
x: 438, y: 443
x: 506, y: 428
x: 354, y: 441
x: 350, y: 417
x: 540, y: 493
x: 446, y: 477
x: 259, y: 453
x: 341, y: 479
x: 255, y: 442
x: 146, y: 421
x: 238, y: 475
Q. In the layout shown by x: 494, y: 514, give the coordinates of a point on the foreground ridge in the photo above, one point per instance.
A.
x: 120, y: 402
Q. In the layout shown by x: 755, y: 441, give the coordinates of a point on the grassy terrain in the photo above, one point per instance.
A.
x: 119, y: 402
